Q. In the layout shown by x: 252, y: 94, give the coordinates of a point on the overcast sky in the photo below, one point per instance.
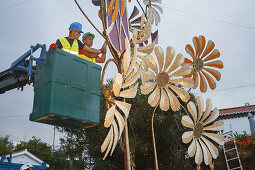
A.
x: 230, y: 24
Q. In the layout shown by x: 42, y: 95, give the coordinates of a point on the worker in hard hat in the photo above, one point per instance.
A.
x: 71, y: 43
x: 87, y: 39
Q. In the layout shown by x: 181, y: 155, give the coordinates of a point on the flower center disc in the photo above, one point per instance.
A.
x: 162, y: 79
x: 198, y: 130
x: 198, y: 64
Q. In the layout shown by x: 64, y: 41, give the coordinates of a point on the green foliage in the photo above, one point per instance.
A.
x: 37, y: 147
x: 6, y: 146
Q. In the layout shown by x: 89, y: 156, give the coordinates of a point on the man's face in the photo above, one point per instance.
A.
x: 76, y: 34
x: 88, y: 41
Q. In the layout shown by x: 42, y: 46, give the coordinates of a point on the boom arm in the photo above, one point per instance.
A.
x: 22, y: 70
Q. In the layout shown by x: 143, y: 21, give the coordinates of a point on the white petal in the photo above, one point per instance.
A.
x: 187, y: 121
x: 187, y: 136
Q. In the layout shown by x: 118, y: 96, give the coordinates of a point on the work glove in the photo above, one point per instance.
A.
x: 53, y: 46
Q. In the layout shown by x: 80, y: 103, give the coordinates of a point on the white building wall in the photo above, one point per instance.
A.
x: 238, y: 124
x: 23, y: 159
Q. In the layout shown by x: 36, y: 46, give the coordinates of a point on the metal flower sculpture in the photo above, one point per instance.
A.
x: 144, y: 33
x: 164, y: 82
x: 155, y: 8
x: 203, y: 59
x: 202, y: 124
x: 124, y: 86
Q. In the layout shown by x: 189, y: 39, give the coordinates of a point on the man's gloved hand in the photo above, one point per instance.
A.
x: 53, y: 46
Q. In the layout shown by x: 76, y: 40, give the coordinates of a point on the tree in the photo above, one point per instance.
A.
x: 85, y: 144
x: 6, y: 146
x: 37, y: 147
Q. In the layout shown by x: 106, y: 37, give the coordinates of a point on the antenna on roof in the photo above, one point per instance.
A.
x: 247, y: 104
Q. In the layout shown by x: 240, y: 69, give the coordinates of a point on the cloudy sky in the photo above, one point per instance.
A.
x: 230, y: 24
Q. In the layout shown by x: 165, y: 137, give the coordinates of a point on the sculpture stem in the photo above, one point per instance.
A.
x: 153, y: 139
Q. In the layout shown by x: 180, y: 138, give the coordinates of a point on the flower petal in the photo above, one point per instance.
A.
x: 110, y: 143
x: 154, y: 97
x: 116, y: 136
x: 195, y: 80
x: 164, y: 101
x: 174, y: 102
x: 209, y: 47
x: 199, y: 154
x: 149, y: 75
x: 170, y: 52
x: 143, y: 61
x: 208, y: 109
x: 109, y: 116
x: 189, y: 49
x: 107, y: 140
x: 126, y: 57
x: 202, y: 44
x: 200, y: 105
x: 213, y: 55
x: 210, y: 80
x: 187, y: 136
x: 187, y: 82
x: 213, y: 116
x: 216, y: 126
x: 203, y: 85
x: 187, y: 122
x: 214, y: 151
x: 215, y: 73
x: 124, y: 107
x: 120, y: 121
x: 192, y: 148
x: 185, y: 70
x: 184, y: 95
x: 152, y: 63
x: 132, y: 62
x: 131, y: 79
x: 147, y: 87
x: 117, y: 84
x: 177, y: 62
x: 196, y: 45
x: 193, y: 111
x: 188, y: 61
x: 217, y: 138
x: 207, y: 154
x: 130, y: 92
x: 217, y: 64
x: 160, y: 56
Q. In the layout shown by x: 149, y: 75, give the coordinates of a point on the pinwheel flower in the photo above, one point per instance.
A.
x: 163, y: 82
x: 202, y: 62
x: 125, y: 85
x: 155, y: 8
x: 203, y: 126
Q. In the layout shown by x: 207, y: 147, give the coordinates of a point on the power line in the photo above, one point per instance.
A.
x: 13, y: 116
x: 237, y: 87
x: 14, y: 5
x: 198, y: 15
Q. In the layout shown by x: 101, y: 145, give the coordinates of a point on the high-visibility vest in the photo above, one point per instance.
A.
x: 66, y: 46
x: 93, y: 60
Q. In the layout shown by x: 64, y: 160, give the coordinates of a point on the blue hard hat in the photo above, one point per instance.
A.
x: 76, y: 26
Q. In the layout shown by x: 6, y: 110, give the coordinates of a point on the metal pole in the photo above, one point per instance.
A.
x: 54, y: 138
x: 126, y: 148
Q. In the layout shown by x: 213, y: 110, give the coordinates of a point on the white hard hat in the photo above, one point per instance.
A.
x: 26, y: 166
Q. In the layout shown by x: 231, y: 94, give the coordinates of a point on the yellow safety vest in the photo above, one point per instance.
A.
x: 66, y: 46
x: 93, y: 60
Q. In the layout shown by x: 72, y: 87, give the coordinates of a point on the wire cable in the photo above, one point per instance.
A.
x: 198, y: 15
x: 14, y: 5
x: 237, y: 87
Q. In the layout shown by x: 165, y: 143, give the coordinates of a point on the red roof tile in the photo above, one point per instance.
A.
x: 237, y: 111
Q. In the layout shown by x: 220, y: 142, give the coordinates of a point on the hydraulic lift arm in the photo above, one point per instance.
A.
x: 22, y: 71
